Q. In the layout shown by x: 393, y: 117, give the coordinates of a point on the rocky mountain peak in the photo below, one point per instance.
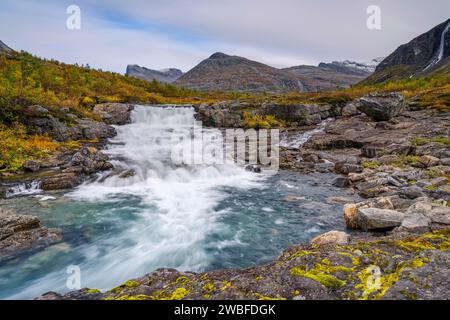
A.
x: 219, y: 55
x: 168, y: 75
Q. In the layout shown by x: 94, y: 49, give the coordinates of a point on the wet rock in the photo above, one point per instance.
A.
x: 114, y: 113
x: 336, y: 200
x: 22, y: 232
x: 346, y: 168
x: 31, y: 165
x: 91, y: 160
x: 331, y: 237
x: 291, y: 198
x: 63, y: 180
x: 253, y: 168
x: 379, y: 219
x: 127, y: 174
x: 381, y: 107
x: 341, y: 182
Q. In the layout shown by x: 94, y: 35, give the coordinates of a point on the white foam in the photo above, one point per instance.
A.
x: 181, y: 200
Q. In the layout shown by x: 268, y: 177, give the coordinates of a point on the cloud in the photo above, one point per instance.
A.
x: 180, y: 33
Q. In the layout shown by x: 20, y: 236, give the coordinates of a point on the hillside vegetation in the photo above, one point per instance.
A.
x: 26, y: 80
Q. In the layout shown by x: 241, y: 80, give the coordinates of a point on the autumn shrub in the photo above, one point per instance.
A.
x: 16, y: 147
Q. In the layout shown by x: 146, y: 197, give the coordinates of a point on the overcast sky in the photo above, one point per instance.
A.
x: 180, y: 33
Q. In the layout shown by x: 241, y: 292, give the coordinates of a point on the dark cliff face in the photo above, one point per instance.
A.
x: 232, y: 73
x: 423, y: 55
x: 5, y: 48
x: 166, y: 76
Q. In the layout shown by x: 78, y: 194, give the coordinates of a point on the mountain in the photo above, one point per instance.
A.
x: 352, y: 67
x: 165, y: 75
x: 426, y: 54
x: 233, y: 73
x: 5, y: 48
x: 337, y: 74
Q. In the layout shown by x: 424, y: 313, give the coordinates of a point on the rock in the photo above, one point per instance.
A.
x: 253, y: 168
x: 395, y: 182
x: 114, y: 113
x: 350, y: 109
x: 63, y: 180
x: 91, y: 160
x: 435, y: 213
x: 412, y: 192
x: 291, y: 198
x: 22, y: 232
x: 31, y: 165
x: 429, y: 161
x: 127, y: 174
x: 341, y: 182
x: 336, y: 200
x: 82, y: 129
x: 415, y: 221
x: 379, y: 219
x: 36, y: 109
x: 331, y: 237
x: 380, y: 106
x: 311, y: 157
x: 346, y: 168
x: 351, y: 215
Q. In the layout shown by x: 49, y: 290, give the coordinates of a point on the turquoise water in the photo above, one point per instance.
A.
x: 189, y: 217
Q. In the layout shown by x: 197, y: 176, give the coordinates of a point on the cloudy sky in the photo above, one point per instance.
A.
x: 180, y: 33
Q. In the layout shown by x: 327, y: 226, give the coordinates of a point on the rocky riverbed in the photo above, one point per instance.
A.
x: 380, y: 147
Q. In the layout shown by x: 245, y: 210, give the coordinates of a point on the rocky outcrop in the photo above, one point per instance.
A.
x: 22, y: 232
x: 4, y: 48
x: 381, y: 107
x: 40, y: 121
x: 114, y: 113
x: 164, y: 76
x: 405, y: 266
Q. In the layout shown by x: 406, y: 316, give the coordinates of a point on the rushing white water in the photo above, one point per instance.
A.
x: 440, y: 53
x: 24, y: 189
x: 189, y: 217
x: 179, y: 200
x: 299, y: 140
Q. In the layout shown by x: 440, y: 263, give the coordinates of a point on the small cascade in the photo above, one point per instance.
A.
x: 24, y: 189
x: 299, y: 140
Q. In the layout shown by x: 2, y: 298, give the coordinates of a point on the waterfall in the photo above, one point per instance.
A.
x: 440, y: 53
x: 23, y: 189
x: 179, y: 200
x: 299, y: 140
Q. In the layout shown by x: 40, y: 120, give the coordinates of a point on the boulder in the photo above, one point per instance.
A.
x: 434, y: 212
x: 31, y: 165
x: 21, y: 232
x: 381, y: 106
x: 429, y: 161
x: 341, y: 182
x: 379, y: 219
x: 346, y: 168
x: 114, y: 113
x: 64, y: 180
x: 82, y: 129
x: 91, y: 160
x: 331, y: 237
